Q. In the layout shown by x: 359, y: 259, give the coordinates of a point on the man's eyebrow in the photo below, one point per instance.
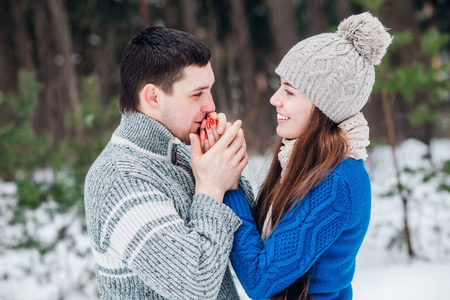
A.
x: 203, y: 87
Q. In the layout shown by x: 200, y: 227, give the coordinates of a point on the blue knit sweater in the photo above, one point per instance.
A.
x: 324, y: 231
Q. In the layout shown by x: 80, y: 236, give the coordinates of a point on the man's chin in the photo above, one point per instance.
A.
x: 185, y: 139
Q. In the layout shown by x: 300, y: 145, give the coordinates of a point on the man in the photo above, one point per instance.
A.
x: 156, y: 231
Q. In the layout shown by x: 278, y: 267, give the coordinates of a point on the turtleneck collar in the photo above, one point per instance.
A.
x: 146, y: 135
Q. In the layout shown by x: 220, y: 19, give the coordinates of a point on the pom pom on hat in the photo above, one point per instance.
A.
x: 367, y: 34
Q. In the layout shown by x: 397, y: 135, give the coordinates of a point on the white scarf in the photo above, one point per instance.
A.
x: 357, y: 133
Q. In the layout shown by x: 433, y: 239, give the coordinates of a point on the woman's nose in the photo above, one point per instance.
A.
x: 275, y: 100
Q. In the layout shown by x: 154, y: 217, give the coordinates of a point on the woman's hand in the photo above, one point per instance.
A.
x: 209, y: 133
x: 219, y: 169
x: 220, y: 121
x: 211, y: 129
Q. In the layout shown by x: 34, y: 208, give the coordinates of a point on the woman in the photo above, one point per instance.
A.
x: 300, y: 239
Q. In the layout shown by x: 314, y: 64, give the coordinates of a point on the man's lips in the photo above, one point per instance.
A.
x: 197, y: 126
x: 199, y: 123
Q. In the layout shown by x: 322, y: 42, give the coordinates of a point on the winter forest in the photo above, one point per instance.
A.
x: 59, y: 85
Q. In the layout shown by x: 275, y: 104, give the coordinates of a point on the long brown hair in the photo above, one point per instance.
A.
x: 316, y: 154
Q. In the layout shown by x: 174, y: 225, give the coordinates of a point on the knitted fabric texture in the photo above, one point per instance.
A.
x: 152, y: 237
x: 336, y: 70
x: 357, y: 134
x: 285, y: 154
x: 323, y: 232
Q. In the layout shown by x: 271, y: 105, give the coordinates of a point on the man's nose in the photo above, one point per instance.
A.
x: 208, y: 105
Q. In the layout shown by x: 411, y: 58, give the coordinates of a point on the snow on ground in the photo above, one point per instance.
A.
x: 412, y: 281
x: 387, y: 275
x: 381, y: 274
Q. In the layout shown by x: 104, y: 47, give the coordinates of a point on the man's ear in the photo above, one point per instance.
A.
x: 148, y: 96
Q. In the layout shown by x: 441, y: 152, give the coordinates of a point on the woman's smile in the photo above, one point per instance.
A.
x: 281, y: 118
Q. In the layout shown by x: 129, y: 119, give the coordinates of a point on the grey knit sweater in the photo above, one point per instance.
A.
x: 152, y: 237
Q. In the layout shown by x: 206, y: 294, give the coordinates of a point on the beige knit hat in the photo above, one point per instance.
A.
x: 336, y: 70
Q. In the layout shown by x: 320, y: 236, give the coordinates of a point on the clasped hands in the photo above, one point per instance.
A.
x: 218, y: 155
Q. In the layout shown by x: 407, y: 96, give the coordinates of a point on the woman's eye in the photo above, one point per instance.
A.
x: 289, y: 93
x: 198, y: 94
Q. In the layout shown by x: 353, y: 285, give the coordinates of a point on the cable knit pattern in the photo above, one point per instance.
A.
x: 323, y: 232
x: 357, y: 133
x: 151, y: 236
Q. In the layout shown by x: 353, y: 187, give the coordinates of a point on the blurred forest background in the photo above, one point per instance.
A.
x: 59, y: 81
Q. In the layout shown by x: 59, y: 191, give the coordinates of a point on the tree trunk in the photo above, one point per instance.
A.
x: 283, y: 26
x: 398, y: 18
x: 315, y: 17
x: 106, y: 66
x: 49, y: 114
x: 253, y: 86
x: 405, y: 200
x: 405, y: 56
x: 63, y: 42
x: 189, y: 16
x: 23, y: 43
x: 144, y: 13
x: 170, y: 13
x: 8, y: 75
x: 218, y: 61
x: 343, y: 9
x: 244, y: 54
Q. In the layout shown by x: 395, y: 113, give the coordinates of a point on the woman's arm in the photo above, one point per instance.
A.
x: 266, y: 268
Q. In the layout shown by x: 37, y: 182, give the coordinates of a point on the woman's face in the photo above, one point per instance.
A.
x: 293, y: 110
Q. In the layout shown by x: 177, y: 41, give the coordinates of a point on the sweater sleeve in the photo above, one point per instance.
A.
x: 179, y: 260
x: 245, y: 185
x: 266, y: 268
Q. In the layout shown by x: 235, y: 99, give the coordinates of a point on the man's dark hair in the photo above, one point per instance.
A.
x: 157, y: 55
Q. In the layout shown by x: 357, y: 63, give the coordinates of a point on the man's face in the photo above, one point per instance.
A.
x: 183, y: 111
